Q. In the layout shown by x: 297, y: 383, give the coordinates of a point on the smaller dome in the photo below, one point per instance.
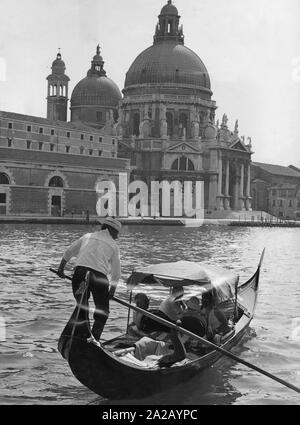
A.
x: 96, y: 91
x: 169, y: 9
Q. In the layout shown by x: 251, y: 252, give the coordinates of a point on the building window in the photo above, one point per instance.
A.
x: 91, y: 138
x: 29, y: 128
x: 40, y: 146
x: 28, y: 144
x: 56, y: 181
x: 52, y: 147
x: 4, y: 178
x: 175, y: 165
x: 82, y: 137
x: 298, y: 203
x: 91, y: 152
x: 81, y: 151
x: 9, y: 142
x: 170, y: 124
x: 41, y: 131
x: 68, y: 134
x: 281, y: 203
x: 274, y: 203
x: 10, y: 125
x: 52, y: 132
x: 100, y: 153
x: 100, y: 139
x: 290, y: 204
x: 67, y: 149
x: 282, y: 193
x: 183, y: 164
x: 113, y: 141
x: 2, y: 198
x: 99, y: 116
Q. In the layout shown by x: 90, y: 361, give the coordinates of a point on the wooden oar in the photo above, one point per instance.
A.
x: 208, y: 343
x: 204, y: 341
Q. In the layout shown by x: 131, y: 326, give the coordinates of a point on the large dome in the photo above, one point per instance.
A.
x: 95, y: 90
x: 171, y: 63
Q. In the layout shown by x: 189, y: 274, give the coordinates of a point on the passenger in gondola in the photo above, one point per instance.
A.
x: 216, y: 322
x: 137, y: 326
x: 172, y: 308
x: 192, y: 307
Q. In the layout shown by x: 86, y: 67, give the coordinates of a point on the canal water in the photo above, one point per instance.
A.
x: 35, y: 305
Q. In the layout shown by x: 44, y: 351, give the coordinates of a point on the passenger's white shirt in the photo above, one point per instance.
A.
x: 98, y: 251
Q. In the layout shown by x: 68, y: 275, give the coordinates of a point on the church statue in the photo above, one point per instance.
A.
x: 236, y: 127
x: 224, y: 120
x: 195, y: 130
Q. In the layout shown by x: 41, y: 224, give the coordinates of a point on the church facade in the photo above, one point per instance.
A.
x: 167, y: 126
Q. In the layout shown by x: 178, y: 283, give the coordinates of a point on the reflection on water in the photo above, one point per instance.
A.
x: 35, y: 305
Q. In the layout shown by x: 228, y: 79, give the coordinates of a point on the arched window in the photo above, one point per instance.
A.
x: 183, y: 164
x: 4, y: 179
x: 175, y: 165
x: 183, y: 123
x: 170, y: 124
x: 136, y: 124
x: 190, y: 165
x: 56, y: 181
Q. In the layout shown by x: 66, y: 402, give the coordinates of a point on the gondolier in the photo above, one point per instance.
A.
x: 99, y: 254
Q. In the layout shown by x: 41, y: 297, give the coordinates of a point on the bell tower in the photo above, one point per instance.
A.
x: 57, y: 99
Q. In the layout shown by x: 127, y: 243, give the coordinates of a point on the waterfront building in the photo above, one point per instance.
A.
x: 51, y: 166
x: 284, y: 201
x: 167, y: 126
x: 275, y: 189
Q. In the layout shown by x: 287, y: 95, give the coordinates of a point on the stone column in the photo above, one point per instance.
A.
x: 242, y: 198
x: 227, y: 197
x: 248, y: 194
x: 220, y: 177
x: 220, y: 195
x: 163, y: 121
x: 213, y: 192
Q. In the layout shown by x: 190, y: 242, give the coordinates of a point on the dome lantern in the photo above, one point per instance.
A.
x: 168, y: 25
x: 97, y: 65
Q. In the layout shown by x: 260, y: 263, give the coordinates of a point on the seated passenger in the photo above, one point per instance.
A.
x: 136, y: 327
x: 172, y: 308
x: 141, y: 301
x: 192, y: 307
x: 216, y: 322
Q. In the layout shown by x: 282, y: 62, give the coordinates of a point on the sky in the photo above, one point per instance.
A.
x: 250, y: 48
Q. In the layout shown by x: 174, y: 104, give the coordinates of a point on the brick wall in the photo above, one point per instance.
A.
x: 78, y: 202
x: 29, y: 200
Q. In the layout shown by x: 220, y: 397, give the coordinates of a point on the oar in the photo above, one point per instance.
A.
x: 197, y: 337
x: 56, y: 272
x: 208, y: 343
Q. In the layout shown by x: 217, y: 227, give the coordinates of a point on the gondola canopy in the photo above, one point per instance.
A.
x: 186, y: 273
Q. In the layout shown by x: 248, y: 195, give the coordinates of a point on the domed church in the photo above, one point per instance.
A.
x: 95, y: 99
x: 167, y: 125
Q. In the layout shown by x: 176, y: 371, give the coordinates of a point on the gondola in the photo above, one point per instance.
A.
x: 111, y: 376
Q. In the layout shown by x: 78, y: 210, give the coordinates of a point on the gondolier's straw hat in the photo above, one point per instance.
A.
x: 112, y: 222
